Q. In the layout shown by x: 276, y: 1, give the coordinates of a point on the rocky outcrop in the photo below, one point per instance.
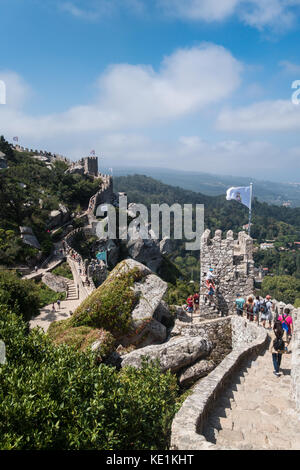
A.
x: 58, y: 217
x: 29, y: 237
x: 56, y: 283
x: 166, y: 246
x: 196, y: 372
x: 145, y: 251
x: 173, y: 355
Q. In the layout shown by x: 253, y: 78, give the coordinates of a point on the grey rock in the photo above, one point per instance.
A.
x: 196, y: 372
x: 174, y: 355
x: 56, y: 283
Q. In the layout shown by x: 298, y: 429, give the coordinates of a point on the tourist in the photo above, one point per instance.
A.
x: 58, y: 303
x: 287, y: 324
x: 269, y: 307
x: 196, y: 298
x: 36, y: 269
x: 256, y: 309
x: 250, y: 308
x: 190, y: 304
x: 210, y: 284
x: 53, y: 307
x: 277, y: 348
x: 240, y: 304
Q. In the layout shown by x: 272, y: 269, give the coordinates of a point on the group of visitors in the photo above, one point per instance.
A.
x: 193, y: 303
x: 256, y: 309
x: 263, y: 310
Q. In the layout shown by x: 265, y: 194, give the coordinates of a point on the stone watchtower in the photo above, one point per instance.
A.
x: 233, y: 265
x: 91, y: 166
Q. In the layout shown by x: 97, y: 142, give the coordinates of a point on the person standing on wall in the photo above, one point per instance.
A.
x: 240, y: 304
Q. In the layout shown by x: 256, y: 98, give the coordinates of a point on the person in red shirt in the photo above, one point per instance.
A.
x: 190, y: 303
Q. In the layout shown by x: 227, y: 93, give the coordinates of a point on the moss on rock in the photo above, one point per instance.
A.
x: 110, y: 306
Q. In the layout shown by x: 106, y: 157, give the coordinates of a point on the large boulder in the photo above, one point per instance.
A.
x: 145, y: 251
x: 56, y: 283
x: 173, y: 355
x: 124, y: 305
x: 196, y: 372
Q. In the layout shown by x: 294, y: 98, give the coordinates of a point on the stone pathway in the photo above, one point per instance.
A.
x: 47, y: 315
x: 256, y: 411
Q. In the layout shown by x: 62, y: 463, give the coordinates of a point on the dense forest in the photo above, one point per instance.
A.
x: 269, y: 222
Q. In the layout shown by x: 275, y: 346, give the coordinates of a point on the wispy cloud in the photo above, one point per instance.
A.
x: 137, y: 96
x: 94, y: 10
x: 290, y: 68
x: 266, y: 116
x: 260, y: 14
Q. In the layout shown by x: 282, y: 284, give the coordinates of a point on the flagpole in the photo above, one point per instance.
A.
x: 250, y: 210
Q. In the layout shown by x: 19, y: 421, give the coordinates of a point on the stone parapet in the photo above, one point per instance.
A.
x: 295, y: 368
x: 188, y: 422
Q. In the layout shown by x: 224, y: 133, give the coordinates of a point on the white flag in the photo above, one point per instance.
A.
x: 241, y: 194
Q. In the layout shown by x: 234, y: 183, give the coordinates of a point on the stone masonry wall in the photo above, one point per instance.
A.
x: 233, y: 265
x: 295, y: 367
x: 188, y: 422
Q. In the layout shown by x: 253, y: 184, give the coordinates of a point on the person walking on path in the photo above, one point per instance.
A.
x: 277, y: 347
x: 269, y: 306
x: 250, y: 308
x: 287, y: 324
x: 58, y: 303
x: 256, y: 309
x: 53, y: 308
x: 240, y: 304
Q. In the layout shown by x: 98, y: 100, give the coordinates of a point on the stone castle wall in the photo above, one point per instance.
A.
x: 233, y: 265
x: 188, y: 422
x: 104, y: 195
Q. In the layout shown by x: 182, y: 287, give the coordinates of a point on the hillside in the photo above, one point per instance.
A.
x: 29, y: 191
x: 270, y: 222
x: 214, y: 185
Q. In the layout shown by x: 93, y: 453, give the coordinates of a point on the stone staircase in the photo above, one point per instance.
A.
x: 256, y: 412
x: 72, y: 293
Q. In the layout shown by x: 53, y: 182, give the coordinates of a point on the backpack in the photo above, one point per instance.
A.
x: 278, y: 344
x: 284, y: 324
x: 263, y: 305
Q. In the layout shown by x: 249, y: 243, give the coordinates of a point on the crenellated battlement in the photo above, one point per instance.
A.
x: 233, y: 267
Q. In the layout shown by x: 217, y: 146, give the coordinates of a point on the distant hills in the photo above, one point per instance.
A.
x: 214, y: 185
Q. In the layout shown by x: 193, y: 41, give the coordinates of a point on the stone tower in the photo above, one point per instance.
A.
x: 232, y: 262
x: 91, y: 166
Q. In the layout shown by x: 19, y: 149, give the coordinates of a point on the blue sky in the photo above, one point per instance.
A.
x: 186, y: 84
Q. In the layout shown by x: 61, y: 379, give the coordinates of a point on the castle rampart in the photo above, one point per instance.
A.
x: 233, y: 268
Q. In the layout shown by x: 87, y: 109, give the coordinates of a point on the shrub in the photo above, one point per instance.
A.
x: 54, y: 398
x: 110, y: 306
x: 19, y: 295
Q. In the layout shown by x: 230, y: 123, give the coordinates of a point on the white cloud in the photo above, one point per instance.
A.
x: 279, y: 115
x: 93, y: 10
x: 290, y: 67
x: 137, y: 96
x: 279, y: 14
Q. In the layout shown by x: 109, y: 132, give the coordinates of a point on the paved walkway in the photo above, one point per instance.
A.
x: 256, y: 411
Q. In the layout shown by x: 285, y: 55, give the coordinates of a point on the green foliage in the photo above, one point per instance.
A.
x: 110, y: 306
x: 177, y: 295
x: 54, y: 398
x: 47, y: 296
x: 63, y: 270
x: 18, y: 295
x: 29, y: 190
x: 284, y: 288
